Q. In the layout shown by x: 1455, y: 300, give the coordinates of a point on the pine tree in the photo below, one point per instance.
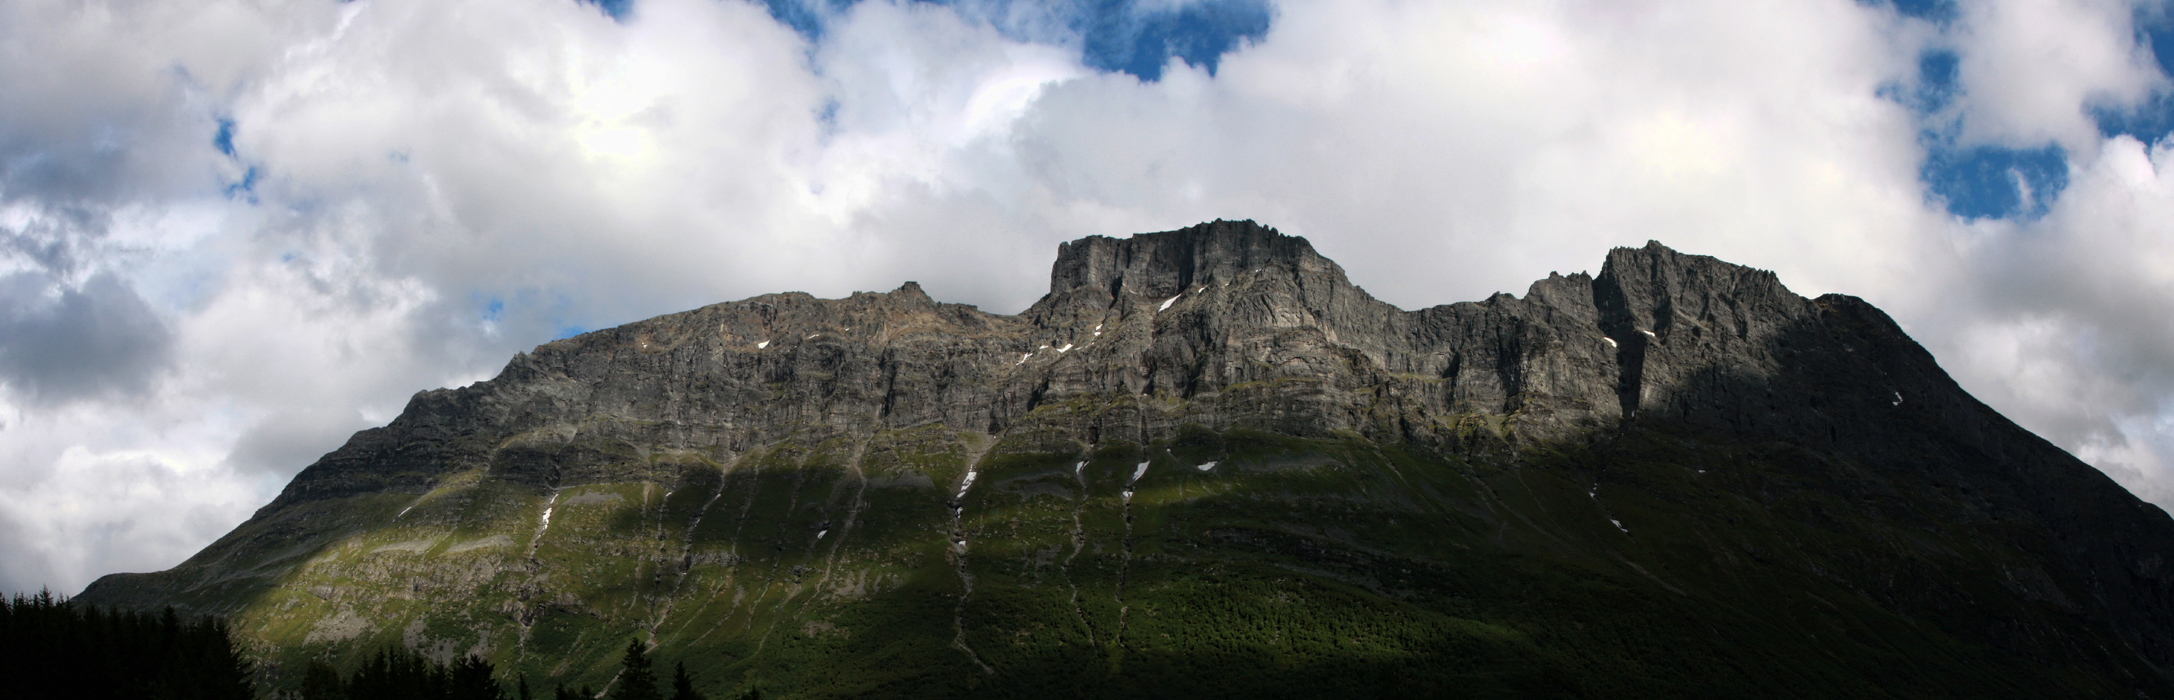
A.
x: 216, y: 668
x: 682, y: 686
x: 322, y: 682
x: 521, y: 689
x: 470, y: 679
x: 636, y: 680
x: 50, y: 647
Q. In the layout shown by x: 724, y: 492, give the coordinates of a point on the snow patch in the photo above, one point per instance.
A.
x: 811, y: 336
x: 761, y: 345
x: 1648, y: 333
x: 1023, y: 359
x: 1898, y: 399
x: 969, y: 483
x: 1619, y: 525
x: 1206, y: 466
x: 1067, y: 346
x: 820, y: 533
x: 1128, y: 495
x: 1080, y: 468
x: 1611, y: 341
x: 1139, y: 472
x: 1167, y: 302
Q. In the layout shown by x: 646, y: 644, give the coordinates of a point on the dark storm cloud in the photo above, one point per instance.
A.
x: 96, y: 339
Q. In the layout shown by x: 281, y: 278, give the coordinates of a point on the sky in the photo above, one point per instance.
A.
x: 233, y: 232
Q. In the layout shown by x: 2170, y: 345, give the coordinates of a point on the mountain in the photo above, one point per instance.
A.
x: 1207, y: 465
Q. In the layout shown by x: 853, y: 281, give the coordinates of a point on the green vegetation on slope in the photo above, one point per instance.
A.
x: 1238, y: 564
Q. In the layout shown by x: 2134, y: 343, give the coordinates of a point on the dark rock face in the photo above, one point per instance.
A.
x: 1247, y: 327
x: 1230, y: 326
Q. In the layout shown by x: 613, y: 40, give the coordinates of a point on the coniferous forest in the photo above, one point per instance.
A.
x: 53, y: 648
x: 50, y: 648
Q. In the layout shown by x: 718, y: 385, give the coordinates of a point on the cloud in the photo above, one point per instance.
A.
x: 236, y: 232
x: 68, y: 343
x: 298, y: 436
x: 113, y: 511
x: 2032, y: 70
x: 2055, y: 322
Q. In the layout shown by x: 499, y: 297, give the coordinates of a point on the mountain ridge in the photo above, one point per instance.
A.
x: 1185, y: 343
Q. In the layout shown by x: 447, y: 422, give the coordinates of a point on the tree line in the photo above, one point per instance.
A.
x: 53, y: 648
x: 396, y: 673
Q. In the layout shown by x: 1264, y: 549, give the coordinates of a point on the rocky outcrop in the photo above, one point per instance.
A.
x: 1223, y: 325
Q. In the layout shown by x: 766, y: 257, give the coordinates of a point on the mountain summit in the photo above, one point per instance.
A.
x: 1206, y: 464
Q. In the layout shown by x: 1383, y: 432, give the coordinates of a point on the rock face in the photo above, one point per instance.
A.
x: 1242, y: 326
x: 1207, y: 460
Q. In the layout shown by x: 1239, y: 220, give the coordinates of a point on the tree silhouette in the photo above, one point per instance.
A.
x: 682, y: 686
x: 320, y: 681
x: 636, y: 680
x: 470, y: 679
x: 50, y: 647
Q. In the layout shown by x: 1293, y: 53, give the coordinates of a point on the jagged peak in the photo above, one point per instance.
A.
x: 1659, y: 261
x: 1168, y: 262
x: 1650, y: 287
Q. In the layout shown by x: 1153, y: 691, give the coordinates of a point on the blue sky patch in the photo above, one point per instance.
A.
x: 246, y: 190
x: 1939, y: 11
x: 804, y: 16
x: 617, y: 10
x: 1990, y: 182
x: 1119, y: 36
x: 224, y: 140
x: 1937, y: 72
x: 2154, y: 119
x: 1975, y: 181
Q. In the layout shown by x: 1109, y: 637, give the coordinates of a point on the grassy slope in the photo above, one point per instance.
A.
x: 829, y: 569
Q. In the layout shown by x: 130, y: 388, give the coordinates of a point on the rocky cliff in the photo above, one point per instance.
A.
x: 1206, y: 451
